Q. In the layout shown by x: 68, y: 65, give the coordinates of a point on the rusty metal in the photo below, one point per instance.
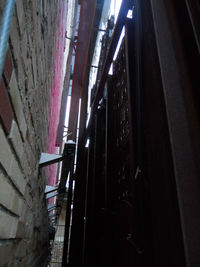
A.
x: 84, y: 35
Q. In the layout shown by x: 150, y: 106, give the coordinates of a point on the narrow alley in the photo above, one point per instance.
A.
x: 99, y: 133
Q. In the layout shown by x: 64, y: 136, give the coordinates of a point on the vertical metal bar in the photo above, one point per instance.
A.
x: 5, y: 31
x: 89, y: 225
x: 138, y: 80
x: 86, y: 206
x: 76, y: 244
x: 185, y: 148
x: 67, y: 220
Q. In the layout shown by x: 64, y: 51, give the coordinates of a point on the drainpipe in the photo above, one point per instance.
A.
x: 5, y: 31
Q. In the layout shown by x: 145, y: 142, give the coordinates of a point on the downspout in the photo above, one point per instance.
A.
x: 5, y: 31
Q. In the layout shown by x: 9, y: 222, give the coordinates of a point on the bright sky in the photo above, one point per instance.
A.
x: 114, y: 8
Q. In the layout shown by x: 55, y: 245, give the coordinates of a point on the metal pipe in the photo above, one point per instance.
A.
x: 5, y: 31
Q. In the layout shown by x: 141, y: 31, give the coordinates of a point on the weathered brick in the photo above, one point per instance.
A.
x: 29, y: 224
x: 18, y: 145
x: 16, y: 175
x: 16, y: 140
x: 5, y: 151
x: 15, y: 37
x: 20, y: 14
x: 6, y: 250
x: 21, y: 228
x: 8, y: 225
x: 29, y: 199
x: 24, y: 49
x: 10, y: 164
x: 21, y: 77
x: 34, y: 66
x: 17, y: 103
x: 6, y: 112
x: 8, y: 66
x: 9, y: 197
x: 21, y: 250
x: 30, y: 84
x: 30, y: 156
x: 32, y: 41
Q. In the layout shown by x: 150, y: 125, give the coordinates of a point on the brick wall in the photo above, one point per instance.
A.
x: 30, y: 86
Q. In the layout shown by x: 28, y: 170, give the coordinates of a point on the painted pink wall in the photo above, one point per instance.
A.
x: 57, y: 87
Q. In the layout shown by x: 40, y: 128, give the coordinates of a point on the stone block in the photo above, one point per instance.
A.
x: 8, y: 225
